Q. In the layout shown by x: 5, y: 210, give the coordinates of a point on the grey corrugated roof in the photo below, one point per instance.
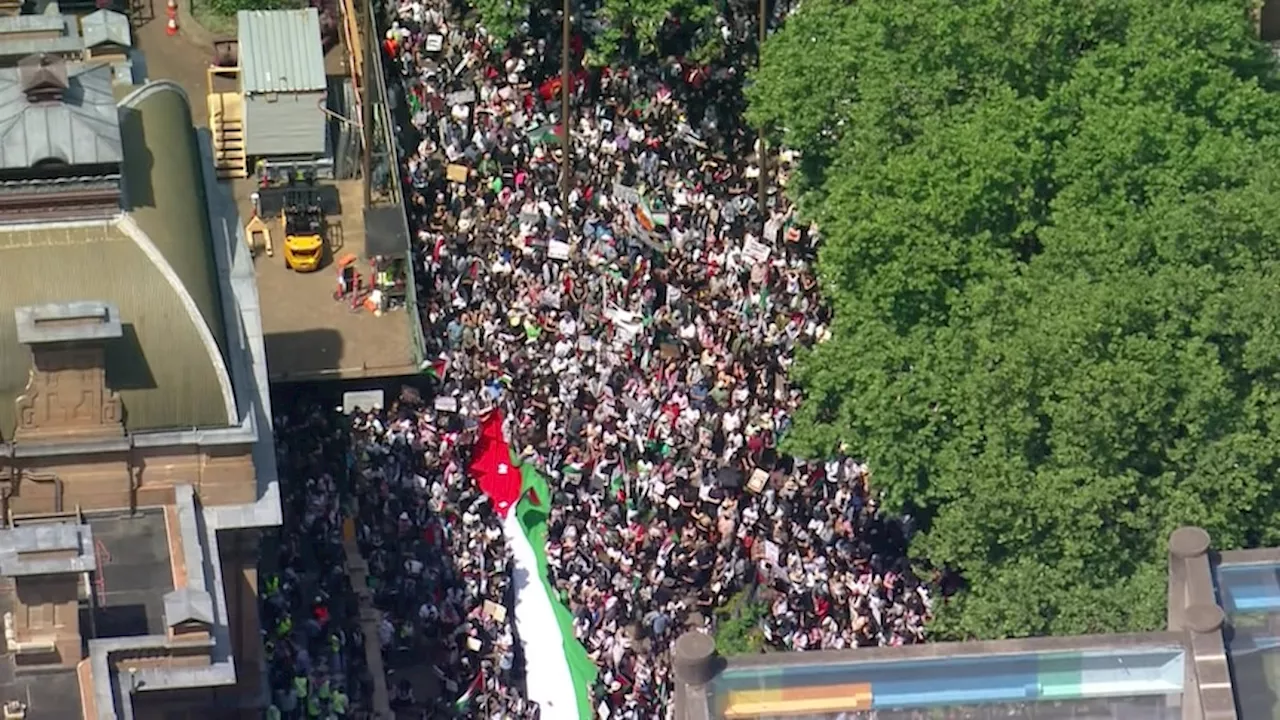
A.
x: 32, y: 23
x: 70, y: 42
x: 83, y: 129
x: 106, y: 26
x: 280, y: 51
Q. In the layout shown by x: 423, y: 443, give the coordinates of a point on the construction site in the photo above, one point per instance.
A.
x: 287, y: 107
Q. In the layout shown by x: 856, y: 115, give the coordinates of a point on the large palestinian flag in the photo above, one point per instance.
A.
x: 559, y: 674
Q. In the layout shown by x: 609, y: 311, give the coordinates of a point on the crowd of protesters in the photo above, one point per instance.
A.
x: 313, y: 645
x: 438, y: 571
x: 638, y: 337
x: 438, y: 565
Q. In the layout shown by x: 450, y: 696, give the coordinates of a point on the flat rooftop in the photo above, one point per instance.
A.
x: 46, y: 693
x: 308, y: 334
x: 128, y: 588
x: 134, y: 573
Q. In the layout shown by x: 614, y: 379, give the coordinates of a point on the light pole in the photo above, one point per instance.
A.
x: 763, y: 155
x: 566, y: 162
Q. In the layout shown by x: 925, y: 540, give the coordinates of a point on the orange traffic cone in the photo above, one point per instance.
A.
x: 172, y: 26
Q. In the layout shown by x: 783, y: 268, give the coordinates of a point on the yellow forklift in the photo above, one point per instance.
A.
x: 304, y: 224
x: 302, y: 211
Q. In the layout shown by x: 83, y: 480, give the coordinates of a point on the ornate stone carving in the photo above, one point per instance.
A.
x: 67, y: 396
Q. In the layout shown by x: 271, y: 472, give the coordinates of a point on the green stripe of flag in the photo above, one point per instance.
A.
x: 532, y: 518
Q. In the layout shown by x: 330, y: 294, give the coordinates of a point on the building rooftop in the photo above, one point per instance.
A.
x: 134, y: 573
x: 82, y: 128
x: 165, y: 193
x: 41, y: 23
x: 46, y: 549
x: 103, y: 27
x: 47, y: 693
x: 280, y: 51
x: 67, y: 43
x: 170, y: 364
x: 114, y: 693
x: 160, y: 365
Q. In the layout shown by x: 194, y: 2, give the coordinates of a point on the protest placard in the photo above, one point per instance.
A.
x: 772, y: 553
x: 543, y: 134
x: 495, y: 612
x: 363, y: 399
x: 757, y: 251
x: 626, y: 194
x: 461, y: 97
x: 446, y: 404
x: 627, y: 330
x: 456, y: 173
x: 558, y: 250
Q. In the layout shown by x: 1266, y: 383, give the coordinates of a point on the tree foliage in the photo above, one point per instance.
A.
x: 229, y: 8
x: 501, y: 18
x: 1053, y: 247
x: 637, y: 28
x: 624, y: 31
x: 737, y: 626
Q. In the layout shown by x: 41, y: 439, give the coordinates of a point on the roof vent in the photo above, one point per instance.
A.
x: 44, y: 78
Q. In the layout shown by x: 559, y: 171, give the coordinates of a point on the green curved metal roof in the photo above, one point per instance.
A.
x: 166, y: 368
x: 165, y: 194
x: 161, y: 368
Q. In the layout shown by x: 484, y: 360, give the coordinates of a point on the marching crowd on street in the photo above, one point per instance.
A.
x: 314, y: 648
x: 638, y: 339
x: 438, y: 564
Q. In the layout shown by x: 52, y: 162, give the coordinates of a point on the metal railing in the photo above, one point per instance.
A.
x: 387, y: 159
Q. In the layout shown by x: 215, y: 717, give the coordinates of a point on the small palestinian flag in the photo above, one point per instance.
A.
x: 438, y: 367
x: 472, y: 690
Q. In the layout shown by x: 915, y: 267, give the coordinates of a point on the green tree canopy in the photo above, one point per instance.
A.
x: 626, y: 30
x: 1052, y: 243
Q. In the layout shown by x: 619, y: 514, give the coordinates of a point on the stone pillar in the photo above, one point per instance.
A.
x: 1194, y: 609
x: 694, y: 658
x: 1186, y: 544
x: 1205, y: 619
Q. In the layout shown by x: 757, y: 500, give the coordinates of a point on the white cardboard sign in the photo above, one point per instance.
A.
x: 363, y: 399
